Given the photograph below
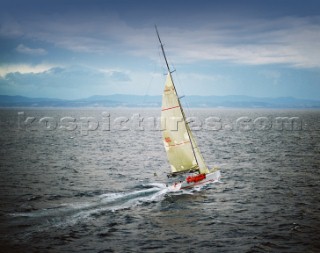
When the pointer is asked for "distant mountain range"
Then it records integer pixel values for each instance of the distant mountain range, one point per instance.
(120, 100)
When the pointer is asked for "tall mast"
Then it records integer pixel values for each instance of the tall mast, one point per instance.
(174, 87)
(164, 54)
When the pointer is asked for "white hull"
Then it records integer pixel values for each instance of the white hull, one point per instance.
(212, 177)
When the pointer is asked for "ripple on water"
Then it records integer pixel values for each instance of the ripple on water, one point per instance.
(66, 191)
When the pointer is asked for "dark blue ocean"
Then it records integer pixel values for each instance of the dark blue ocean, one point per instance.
(93, 180)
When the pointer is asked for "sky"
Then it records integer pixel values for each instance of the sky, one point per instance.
(74, 49)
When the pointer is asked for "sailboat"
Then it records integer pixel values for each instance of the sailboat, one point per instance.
(181, 147)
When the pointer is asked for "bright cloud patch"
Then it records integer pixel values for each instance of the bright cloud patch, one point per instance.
(23, 69)
(31, 51)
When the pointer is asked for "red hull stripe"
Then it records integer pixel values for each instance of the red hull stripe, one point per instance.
(170, 108)
(198, 183)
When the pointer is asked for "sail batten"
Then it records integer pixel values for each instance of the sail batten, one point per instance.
(165, 109)
(178, 144)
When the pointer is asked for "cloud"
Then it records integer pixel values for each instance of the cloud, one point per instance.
(294, 41)
(9, 27)
(30, 51)
(62, 81)
(116, 75)
(289, 40)
(23, 69)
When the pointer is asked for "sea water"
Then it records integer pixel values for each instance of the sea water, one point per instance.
(93, 180)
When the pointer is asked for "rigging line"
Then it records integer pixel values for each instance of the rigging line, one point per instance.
(151, 79)
(160, 61)
(148, 89)
(185, 99)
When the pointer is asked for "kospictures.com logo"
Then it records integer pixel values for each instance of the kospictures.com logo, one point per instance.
(138, 123)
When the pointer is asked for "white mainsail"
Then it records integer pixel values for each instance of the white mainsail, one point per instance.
(181, 147)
